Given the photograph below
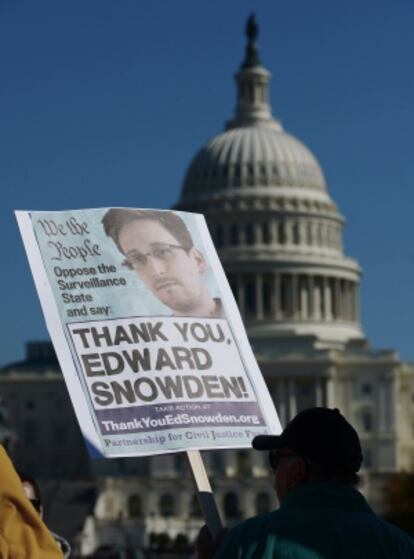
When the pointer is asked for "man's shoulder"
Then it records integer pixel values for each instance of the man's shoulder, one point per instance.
(248, 533)
(260, 521)
(400, 537)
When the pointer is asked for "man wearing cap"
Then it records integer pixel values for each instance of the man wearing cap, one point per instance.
(315, 462)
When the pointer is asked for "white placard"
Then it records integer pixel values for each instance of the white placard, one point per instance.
(147, 332)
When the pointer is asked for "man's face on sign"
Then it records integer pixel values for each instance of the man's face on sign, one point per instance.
(171, 272)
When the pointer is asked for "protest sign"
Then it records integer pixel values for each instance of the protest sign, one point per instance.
(146, 330)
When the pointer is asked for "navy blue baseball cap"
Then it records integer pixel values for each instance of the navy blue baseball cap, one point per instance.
(322, 435)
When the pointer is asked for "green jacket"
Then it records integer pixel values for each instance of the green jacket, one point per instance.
(318, 521)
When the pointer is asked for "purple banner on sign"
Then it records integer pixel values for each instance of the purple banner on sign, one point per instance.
(142, 419)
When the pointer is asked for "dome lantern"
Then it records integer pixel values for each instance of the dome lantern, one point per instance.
(252, 81)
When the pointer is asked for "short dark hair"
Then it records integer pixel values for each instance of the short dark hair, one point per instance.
(116, 218)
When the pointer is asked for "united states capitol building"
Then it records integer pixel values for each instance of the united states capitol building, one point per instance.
(279, 236)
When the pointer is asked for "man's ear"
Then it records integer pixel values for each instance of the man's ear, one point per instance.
(299, 472)
(199, 258)
(302, 470)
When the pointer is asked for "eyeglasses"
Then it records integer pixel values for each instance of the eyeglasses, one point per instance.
(36, 503)
(275, 458)
(160, 251)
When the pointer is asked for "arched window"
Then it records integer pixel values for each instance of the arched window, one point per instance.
(134, 506)
(262, 503)
(166, 505)
(231, 505)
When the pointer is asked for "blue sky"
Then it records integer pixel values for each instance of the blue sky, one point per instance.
(105, 103)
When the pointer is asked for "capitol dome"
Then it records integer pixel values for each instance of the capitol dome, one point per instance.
(275, 226)
(258, 155)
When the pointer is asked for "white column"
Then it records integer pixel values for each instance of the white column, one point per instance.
(304, 299)
(327, 298)
(277, 307)
(349, 300)
(319, 391)
(288, 232)
(271, 313)
(293, 408)
(309, 227)
(311, 289)
(317, 302)
(258, 233)
(354, 298)
(356, 302)
(259, 296)
(330, 393)
(315, 233)
(294, 296)
(345, 300)
(273, 231)
(242, 233)
(338, 295)
(301, 233)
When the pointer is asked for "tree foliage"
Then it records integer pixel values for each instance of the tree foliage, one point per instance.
(399, 501)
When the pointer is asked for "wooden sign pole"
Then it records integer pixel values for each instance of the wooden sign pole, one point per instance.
(204, 492)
